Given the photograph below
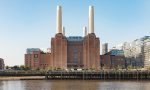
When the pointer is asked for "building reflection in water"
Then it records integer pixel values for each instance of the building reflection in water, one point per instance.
(73, 85)
(61, 85)
(12, 85)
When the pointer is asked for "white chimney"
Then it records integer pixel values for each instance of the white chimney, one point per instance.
(59, 20)
(91, 19)
(63, 31)
(84, 31)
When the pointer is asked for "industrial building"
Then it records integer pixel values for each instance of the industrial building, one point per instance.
(68, 52)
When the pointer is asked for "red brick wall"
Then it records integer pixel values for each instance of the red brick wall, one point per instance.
(62, 54)
(59, 51)
(45, 61)
(75, 49)
(118, 61)
(111, 61)
(105, 61)
(36, 60)
(32, 60)
(91, 51)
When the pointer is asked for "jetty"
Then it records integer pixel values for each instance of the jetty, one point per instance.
(83, 74)
(98, 75)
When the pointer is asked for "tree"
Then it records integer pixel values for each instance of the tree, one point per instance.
(7, 67)
(22, 67)
(130, 67)
(16, 67)
(148, 68)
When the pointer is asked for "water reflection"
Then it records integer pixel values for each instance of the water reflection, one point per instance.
(11, 85)
(61, 85)
(74, 85)
(1, 84)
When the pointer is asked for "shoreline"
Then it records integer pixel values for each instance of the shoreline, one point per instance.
(22, 77)
(43, 78)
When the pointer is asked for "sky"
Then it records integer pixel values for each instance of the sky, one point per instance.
(31, 23)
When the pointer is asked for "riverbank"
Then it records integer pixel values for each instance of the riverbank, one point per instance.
(22, 77)
(78, 75)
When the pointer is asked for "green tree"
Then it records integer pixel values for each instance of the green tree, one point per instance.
(22, 67)
(148, 68)
(16, 67)
(130, 67)
(7, 67)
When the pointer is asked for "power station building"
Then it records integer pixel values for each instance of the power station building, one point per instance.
(73, 51)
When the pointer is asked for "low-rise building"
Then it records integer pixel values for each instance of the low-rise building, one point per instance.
(113, 59)
(35, 58)
(116, 52)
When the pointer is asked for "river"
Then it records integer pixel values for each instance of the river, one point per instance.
(73, 85)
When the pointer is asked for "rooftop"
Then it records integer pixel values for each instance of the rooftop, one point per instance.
(75, 38)
(30, 50)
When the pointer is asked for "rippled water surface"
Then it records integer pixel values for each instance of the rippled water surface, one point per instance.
(73, 85)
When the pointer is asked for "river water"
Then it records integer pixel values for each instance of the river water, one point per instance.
(73, 85)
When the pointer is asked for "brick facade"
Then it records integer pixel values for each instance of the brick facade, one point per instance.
(59, 52)
(91, 52)
(80, 52)
(38, 59)
(69, 52)
(66, 53)
(111, 61)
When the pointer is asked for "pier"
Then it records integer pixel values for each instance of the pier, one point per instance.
(98, 75)
(84, 74)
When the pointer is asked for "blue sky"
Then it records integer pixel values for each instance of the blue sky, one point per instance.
(32, 23)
